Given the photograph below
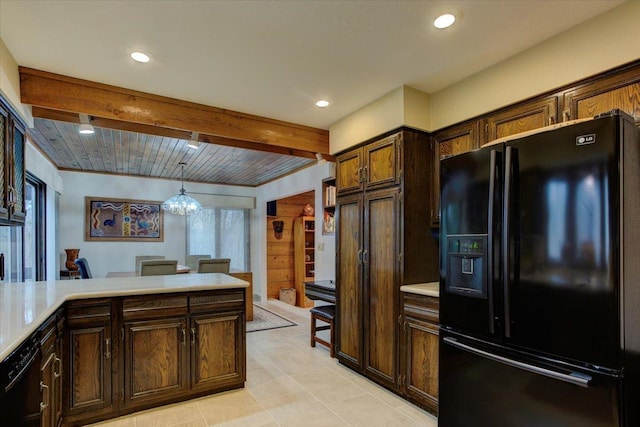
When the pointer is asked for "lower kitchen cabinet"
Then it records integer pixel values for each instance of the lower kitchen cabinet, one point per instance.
(420, 348)
(181, 345)
(89, 360)
(155, 355)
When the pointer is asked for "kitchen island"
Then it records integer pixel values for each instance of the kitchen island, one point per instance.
(106, 347)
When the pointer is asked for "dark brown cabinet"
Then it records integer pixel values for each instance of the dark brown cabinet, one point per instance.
(372, 166)
(420, 350)
(51, 371)
(179, 345)
(620, 90)
(523, 118)
(90, 362)
(12, 167)
(381, 243)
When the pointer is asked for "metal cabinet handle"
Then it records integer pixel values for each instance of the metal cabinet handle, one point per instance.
(365, 178)
(57, 361)
(107, 344)
(360, 256)
(193, 336)
(184, 336)
(365, 256)
(45, 403)
(360, 174)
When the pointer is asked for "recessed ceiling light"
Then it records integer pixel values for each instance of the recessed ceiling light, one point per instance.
(140, 57)
(322, 103)
(444, 21)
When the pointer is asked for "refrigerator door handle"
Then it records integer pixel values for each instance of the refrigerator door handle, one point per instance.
(490, 260)
(506, 272)
(576, 378)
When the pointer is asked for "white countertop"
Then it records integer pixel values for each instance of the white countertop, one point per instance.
(431, 289)
(25, 306)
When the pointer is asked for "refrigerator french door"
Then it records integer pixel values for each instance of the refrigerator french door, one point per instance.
(532, 237)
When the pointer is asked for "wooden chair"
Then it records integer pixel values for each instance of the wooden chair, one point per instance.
(191, 261)
(327, 314)
(140, 258)
(214, 265)
(158, 267)
(83, 267)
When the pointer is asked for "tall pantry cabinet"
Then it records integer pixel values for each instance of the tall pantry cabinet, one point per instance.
(383, 240)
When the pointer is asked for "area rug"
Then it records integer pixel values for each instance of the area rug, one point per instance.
(264, 319)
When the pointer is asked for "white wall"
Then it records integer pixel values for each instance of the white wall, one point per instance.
(305, 180)
(10, 84)
(46, 172)
(104, 257)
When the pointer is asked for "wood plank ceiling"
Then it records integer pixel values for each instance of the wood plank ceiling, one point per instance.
(113, 151)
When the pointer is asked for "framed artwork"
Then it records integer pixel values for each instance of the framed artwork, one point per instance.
(121, 220)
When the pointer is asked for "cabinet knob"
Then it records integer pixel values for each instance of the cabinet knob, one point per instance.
(193, 336)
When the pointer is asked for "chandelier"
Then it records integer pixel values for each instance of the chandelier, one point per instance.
(182, 204)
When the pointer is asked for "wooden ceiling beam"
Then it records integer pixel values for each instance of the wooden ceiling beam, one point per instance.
(62, 116)
(62, 96)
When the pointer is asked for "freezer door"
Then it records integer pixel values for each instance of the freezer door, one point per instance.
(562, 218)
(470, 241)
(481, 387)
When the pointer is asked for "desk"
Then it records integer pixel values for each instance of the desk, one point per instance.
(247, 276)
(324, 290)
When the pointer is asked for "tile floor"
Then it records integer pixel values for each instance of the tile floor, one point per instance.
(289, 383)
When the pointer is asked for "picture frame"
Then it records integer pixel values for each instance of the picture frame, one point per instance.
(123, 220)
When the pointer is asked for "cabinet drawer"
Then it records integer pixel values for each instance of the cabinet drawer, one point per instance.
(422, 307)
(216, 301)
(148, 306)
(89, 311)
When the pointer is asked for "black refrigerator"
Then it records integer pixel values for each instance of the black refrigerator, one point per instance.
(540, 279)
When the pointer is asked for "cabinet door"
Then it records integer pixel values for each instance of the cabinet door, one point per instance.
(349, 172)
(449, 142)
(155, 359)
(422, 363)
(382, 284)
(217, 350)
(17, 206)
(48, 384)
(526, 117)
(349, 280)
(382, 162)
(4, 164)
(621, 90)
(89, 368)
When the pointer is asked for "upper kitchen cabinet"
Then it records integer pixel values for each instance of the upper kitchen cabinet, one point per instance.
(12, 169)
(616, 90)
(374, 165)
(454, 140)
(525, 117)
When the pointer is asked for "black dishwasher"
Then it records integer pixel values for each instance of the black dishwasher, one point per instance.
(20, 385)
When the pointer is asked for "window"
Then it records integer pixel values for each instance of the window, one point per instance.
(34, 234)
(221, 233)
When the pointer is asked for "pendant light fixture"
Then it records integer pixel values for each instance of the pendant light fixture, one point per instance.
(182, 204)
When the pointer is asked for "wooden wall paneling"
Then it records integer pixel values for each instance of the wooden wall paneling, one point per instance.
(280, 252)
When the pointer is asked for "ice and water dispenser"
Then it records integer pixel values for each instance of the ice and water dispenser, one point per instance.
(466, 265)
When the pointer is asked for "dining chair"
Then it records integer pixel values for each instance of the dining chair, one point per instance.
(191, 261)
(83, 267)
(214, 265)
(158, 267)
(140, 258)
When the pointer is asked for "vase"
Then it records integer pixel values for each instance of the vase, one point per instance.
(72, 255)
